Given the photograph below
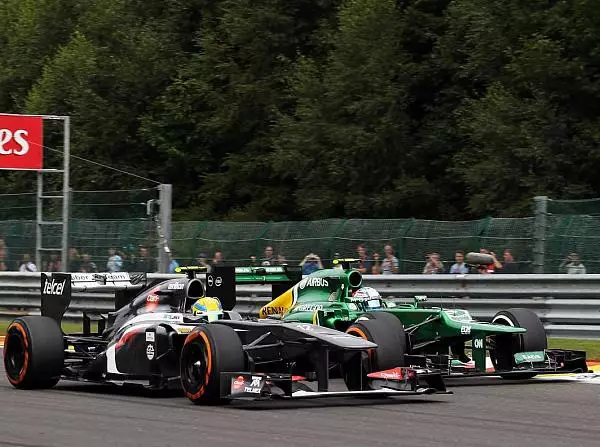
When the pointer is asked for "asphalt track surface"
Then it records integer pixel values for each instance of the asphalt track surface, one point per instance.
(482, 412)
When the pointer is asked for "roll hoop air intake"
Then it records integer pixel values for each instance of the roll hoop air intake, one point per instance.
(355, 279)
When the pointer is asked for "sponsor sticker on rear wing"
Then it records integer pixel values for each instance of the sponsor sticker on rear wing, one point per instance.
(56, 289)
(82, 282)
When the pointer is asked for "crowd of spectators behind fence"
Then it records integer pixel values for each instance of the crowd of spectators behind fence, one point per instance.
(138, 259)
(128, 259)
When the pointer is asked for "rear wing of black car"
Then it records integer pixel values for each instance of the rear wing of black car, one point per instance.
(57, 289)
(221, 282)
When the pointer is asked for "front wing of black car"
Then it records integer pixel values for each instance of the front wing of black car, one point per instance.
(265, 386)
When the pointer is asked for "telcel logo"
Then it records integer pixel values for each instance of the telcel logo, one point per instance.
(54, 287)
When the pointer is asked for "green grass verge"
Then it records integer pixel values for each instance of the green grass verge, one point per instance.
(591, 347)
(68, 327)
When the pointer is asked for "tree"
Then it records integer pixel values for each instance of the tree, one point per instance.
(532, 130)
(106, 77)
(350, 144)
(213, 125)
(30, 32)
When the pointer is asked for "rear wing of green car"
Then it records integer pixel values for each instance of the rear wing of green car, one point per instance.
(221, 282)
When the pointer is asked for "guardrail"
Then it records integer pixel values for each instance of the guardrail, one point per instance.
(569, 305)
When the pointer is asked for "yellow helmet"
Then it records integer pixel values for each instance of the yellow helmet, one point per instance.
(209, 307)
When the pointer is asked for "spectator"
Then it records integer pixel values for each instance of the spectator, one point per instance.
(54, 264)
(27, 264)
(433, 265)
(218, 258)
(202, 261)
(311, 263)
(490, 268)
(459, 266)
(376, 268)
(128, 257)
(3, 256)
(173, 264)
(143, 263)
(365, 266)
(281, 260)
(115, 262)
(334, 262)
(509, 264)
(572, 265)
(269, 258)
(87, 266)
(73, 263)
(390, 263)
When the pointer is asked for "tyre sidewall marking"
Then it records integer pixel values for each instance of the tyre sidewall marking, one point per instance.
(19, 327)
(206, 341)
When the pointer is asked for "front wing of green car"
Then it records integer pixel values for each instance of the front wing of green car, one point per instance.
(525, 364)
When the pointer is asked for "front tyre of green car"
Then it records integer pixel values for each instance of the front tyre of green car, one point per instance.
(505, 346)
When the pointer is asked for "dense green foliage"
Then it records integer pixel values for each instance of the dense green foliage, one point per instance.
(307, 109)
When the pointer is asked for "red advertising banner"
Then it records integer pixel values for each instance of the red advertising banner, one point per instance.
(21, 142)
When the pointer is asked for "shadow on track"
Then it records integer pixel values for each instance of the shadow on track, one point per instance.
(118, 390)
(108, 391)
(329, 402)
(494, 381)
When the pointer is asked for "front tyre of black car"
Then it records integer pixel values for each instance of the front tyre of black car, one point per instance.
(33, 352)
(207, 351)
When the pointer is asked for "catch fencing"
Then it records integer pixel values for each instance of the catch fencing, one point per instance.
(568, 305)
(103, 219)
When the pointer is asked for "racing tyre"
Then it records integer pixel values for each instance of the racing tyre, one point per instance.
(506, 346)
(387, 331)
(33, 352)
(208, 351)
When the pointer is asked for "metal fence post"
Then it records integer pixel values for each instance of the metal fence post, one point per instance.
(66, 205)
(39, 219)
(539, 233)
(165, 216)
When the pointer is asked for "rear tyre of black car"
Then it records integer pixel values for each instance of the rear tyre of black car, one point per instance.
(33, 352)
(387, 332)
(502, 354)
(208, 351)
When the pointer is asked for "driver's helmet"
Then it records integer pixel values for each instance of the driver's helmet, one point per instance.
(208, 307)
(370, 297)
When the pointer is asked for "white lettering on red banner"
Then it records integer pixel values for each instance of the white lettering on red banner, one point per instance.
(21, 142)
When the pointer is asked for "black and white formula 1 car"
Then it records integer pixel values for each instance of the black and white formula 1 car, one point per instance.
(153, 339)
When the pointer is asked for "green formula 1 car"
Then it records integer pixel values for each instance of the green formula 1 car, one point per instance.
(409, 334)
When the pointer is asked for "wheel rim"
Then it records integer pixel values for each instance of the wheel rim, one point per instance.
(195, 367)
(503, 346)
(15, 355)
